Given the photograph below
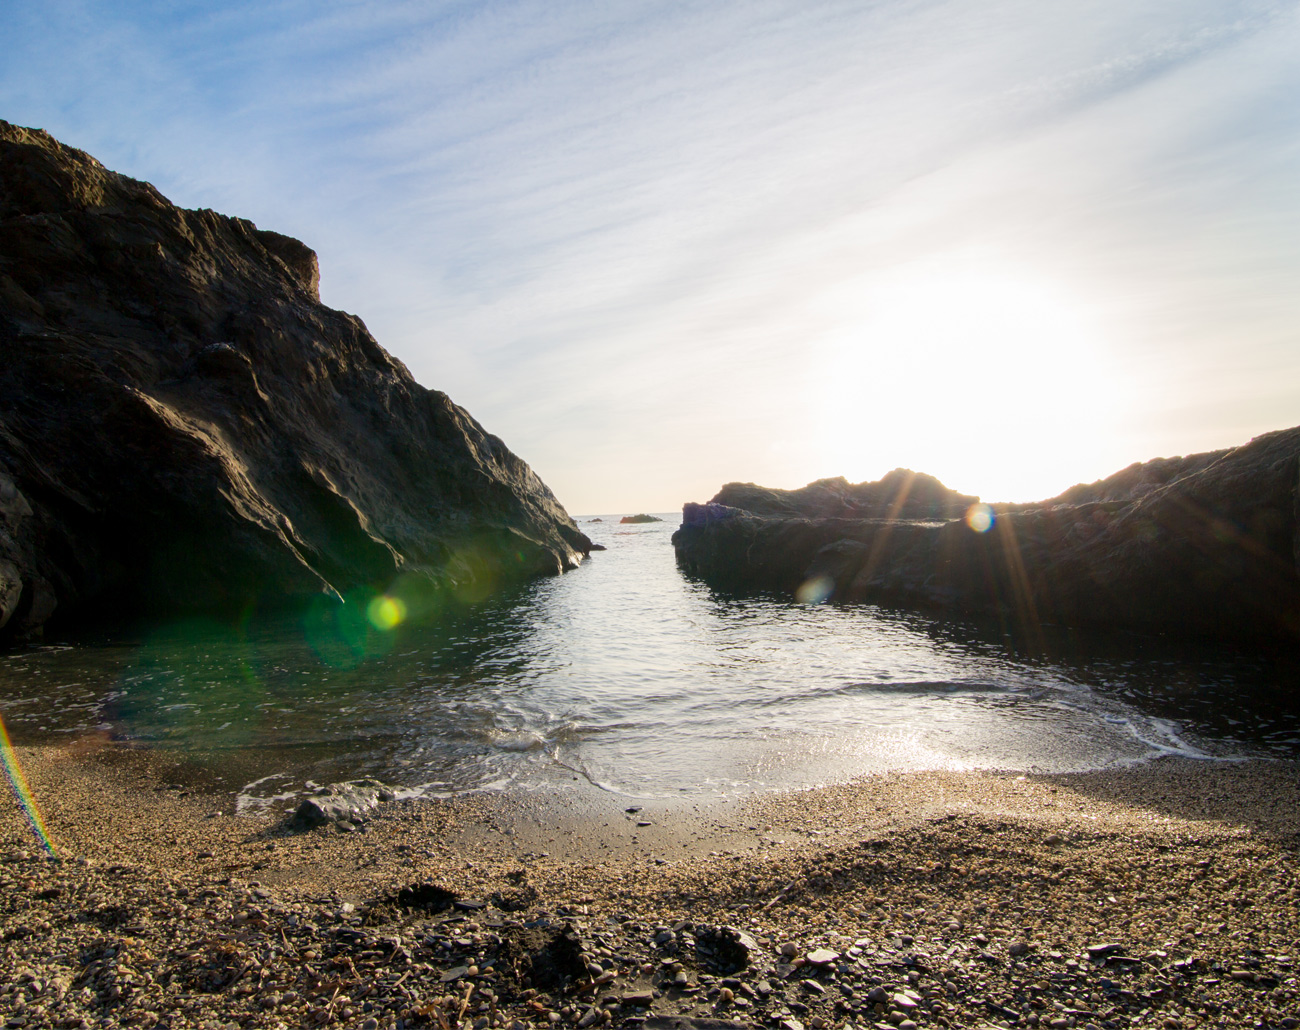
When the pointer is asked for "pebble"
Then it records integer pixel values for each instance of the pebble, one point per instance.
(928, 910)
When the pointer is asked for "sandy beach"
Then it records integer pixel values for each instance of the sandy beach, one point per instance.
(1158, 895)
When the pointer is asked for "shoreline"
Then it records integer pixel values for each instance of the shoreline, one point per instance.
(979, 893)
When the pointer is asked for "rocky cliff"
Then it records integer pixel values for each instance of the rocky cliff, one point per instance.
(901, 494)
(1206, 544)
(185, 427)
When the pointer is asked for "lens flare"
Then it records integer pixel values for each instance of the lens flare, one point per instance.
(815, 590)
(386, 613)
(23, 792)
(980, 518)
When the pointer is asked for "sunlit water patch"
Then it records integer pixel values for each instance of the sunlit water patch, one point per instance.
(628, 675)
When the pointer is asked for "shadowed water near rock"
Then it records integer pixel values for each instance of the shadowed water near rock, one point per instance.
(1206, 544)
(185, 427)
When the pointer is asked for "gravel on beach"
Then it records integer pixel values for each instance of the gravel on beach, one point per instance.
(1159, 895)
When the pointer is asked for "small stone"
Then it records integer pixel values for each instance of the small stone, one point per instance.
(789, 949)
(822, 956)
(1053, 840)
(1017, 949)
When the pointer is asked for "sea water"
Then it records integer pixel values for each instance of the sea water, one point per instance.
(628, 675)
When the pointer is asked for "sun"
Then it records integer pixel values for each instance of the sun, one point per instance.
(987, 375)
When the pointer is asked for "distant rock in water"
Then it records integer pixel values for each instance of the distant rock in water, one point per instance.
(1206, 544)
(638, 519)
(184, 427)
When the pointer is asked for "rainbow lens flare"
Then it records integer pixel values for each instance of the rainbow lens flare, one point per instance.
(23, 792)
(815, 590)
(980, 518)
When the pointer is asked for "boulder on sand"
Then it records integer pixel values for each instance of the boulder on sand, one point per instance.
(345, 805)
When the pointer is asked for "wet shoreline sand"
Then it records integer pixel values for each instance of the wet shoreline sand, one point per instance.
(946, 899)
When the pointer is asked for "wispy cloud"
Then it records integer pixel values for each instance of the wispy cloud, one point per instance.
(611, 231)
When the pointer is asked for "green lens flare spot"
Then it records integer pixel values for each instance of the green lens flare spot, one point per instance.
(386, 613)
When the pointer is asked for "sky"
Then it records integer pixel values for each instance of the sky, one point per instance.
(660, 246)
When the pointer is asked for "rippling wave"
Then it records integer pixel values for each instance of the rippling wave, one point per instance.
(629, 676)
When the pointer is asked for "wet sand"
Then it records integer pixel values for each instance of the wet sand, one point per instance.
(978, 893)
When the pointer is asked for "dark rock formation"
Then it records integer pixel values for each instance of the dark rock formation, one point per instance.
(185, 427)
(901, 494)
(638, 519)
(1138, 480)
(1205, 544)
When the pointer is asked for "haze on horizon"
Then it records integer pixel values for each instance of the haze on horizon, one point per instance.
(660, 246)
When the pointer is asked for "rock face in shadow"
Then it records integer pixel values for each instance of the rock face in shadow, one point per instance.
(185, 427)
(1206, 544)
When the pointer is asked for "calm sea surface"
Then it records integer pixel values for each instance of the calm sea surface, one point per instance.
(631, 676)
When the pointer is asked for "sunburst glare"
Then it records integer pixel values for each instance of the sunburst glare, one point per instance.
(981, 372)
